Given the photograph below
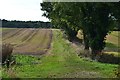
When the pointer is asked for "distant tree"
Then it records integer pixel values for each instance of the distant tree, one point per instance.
(24, 24)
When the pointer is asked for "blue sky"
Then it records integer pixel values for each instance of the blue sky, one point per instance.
(24, 10)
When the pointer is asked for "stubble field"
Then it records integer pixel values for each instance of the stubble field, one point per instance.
(28, 40)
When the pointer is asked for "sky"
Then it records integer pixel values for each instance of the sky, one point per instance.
(24, 10)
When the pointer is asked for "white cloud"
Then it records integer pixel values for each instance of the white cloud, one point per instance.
(21, 10)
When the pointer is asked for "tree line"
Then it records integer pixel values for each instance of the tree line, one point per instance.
(95, 20)
(25, 24)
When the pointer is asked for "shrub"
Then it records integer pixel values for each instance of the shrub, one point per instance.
(6, 53)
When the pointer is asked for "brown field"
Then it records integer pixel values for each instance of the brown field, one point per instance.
(28, 40)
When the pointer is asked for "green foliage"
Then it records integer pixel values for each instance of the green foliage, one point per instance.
(25, 24)
(114, 13)
(47, 7)
(95, 19)
(60, 17)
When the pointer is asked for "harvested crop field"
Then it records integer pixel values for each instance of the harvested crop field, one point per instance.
(28, 40)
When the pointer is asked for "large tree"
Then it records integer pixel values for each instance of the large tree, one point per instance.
(93, 18)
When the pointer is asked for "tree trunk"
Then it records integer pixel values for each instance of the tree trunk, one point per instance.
(86, 41)
(86, 45)
(96, 54)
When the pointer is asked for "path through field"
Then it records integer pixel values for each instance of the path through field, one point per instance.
(28, 40)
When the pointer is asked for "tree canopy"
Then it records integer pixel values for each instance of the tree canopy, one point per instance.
(94, 19)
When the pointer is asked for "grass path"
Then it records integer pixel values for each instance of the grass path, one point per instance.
(61, 62)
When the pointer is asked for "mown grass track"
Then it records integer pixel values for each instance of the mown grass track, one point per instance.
(28, 40)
